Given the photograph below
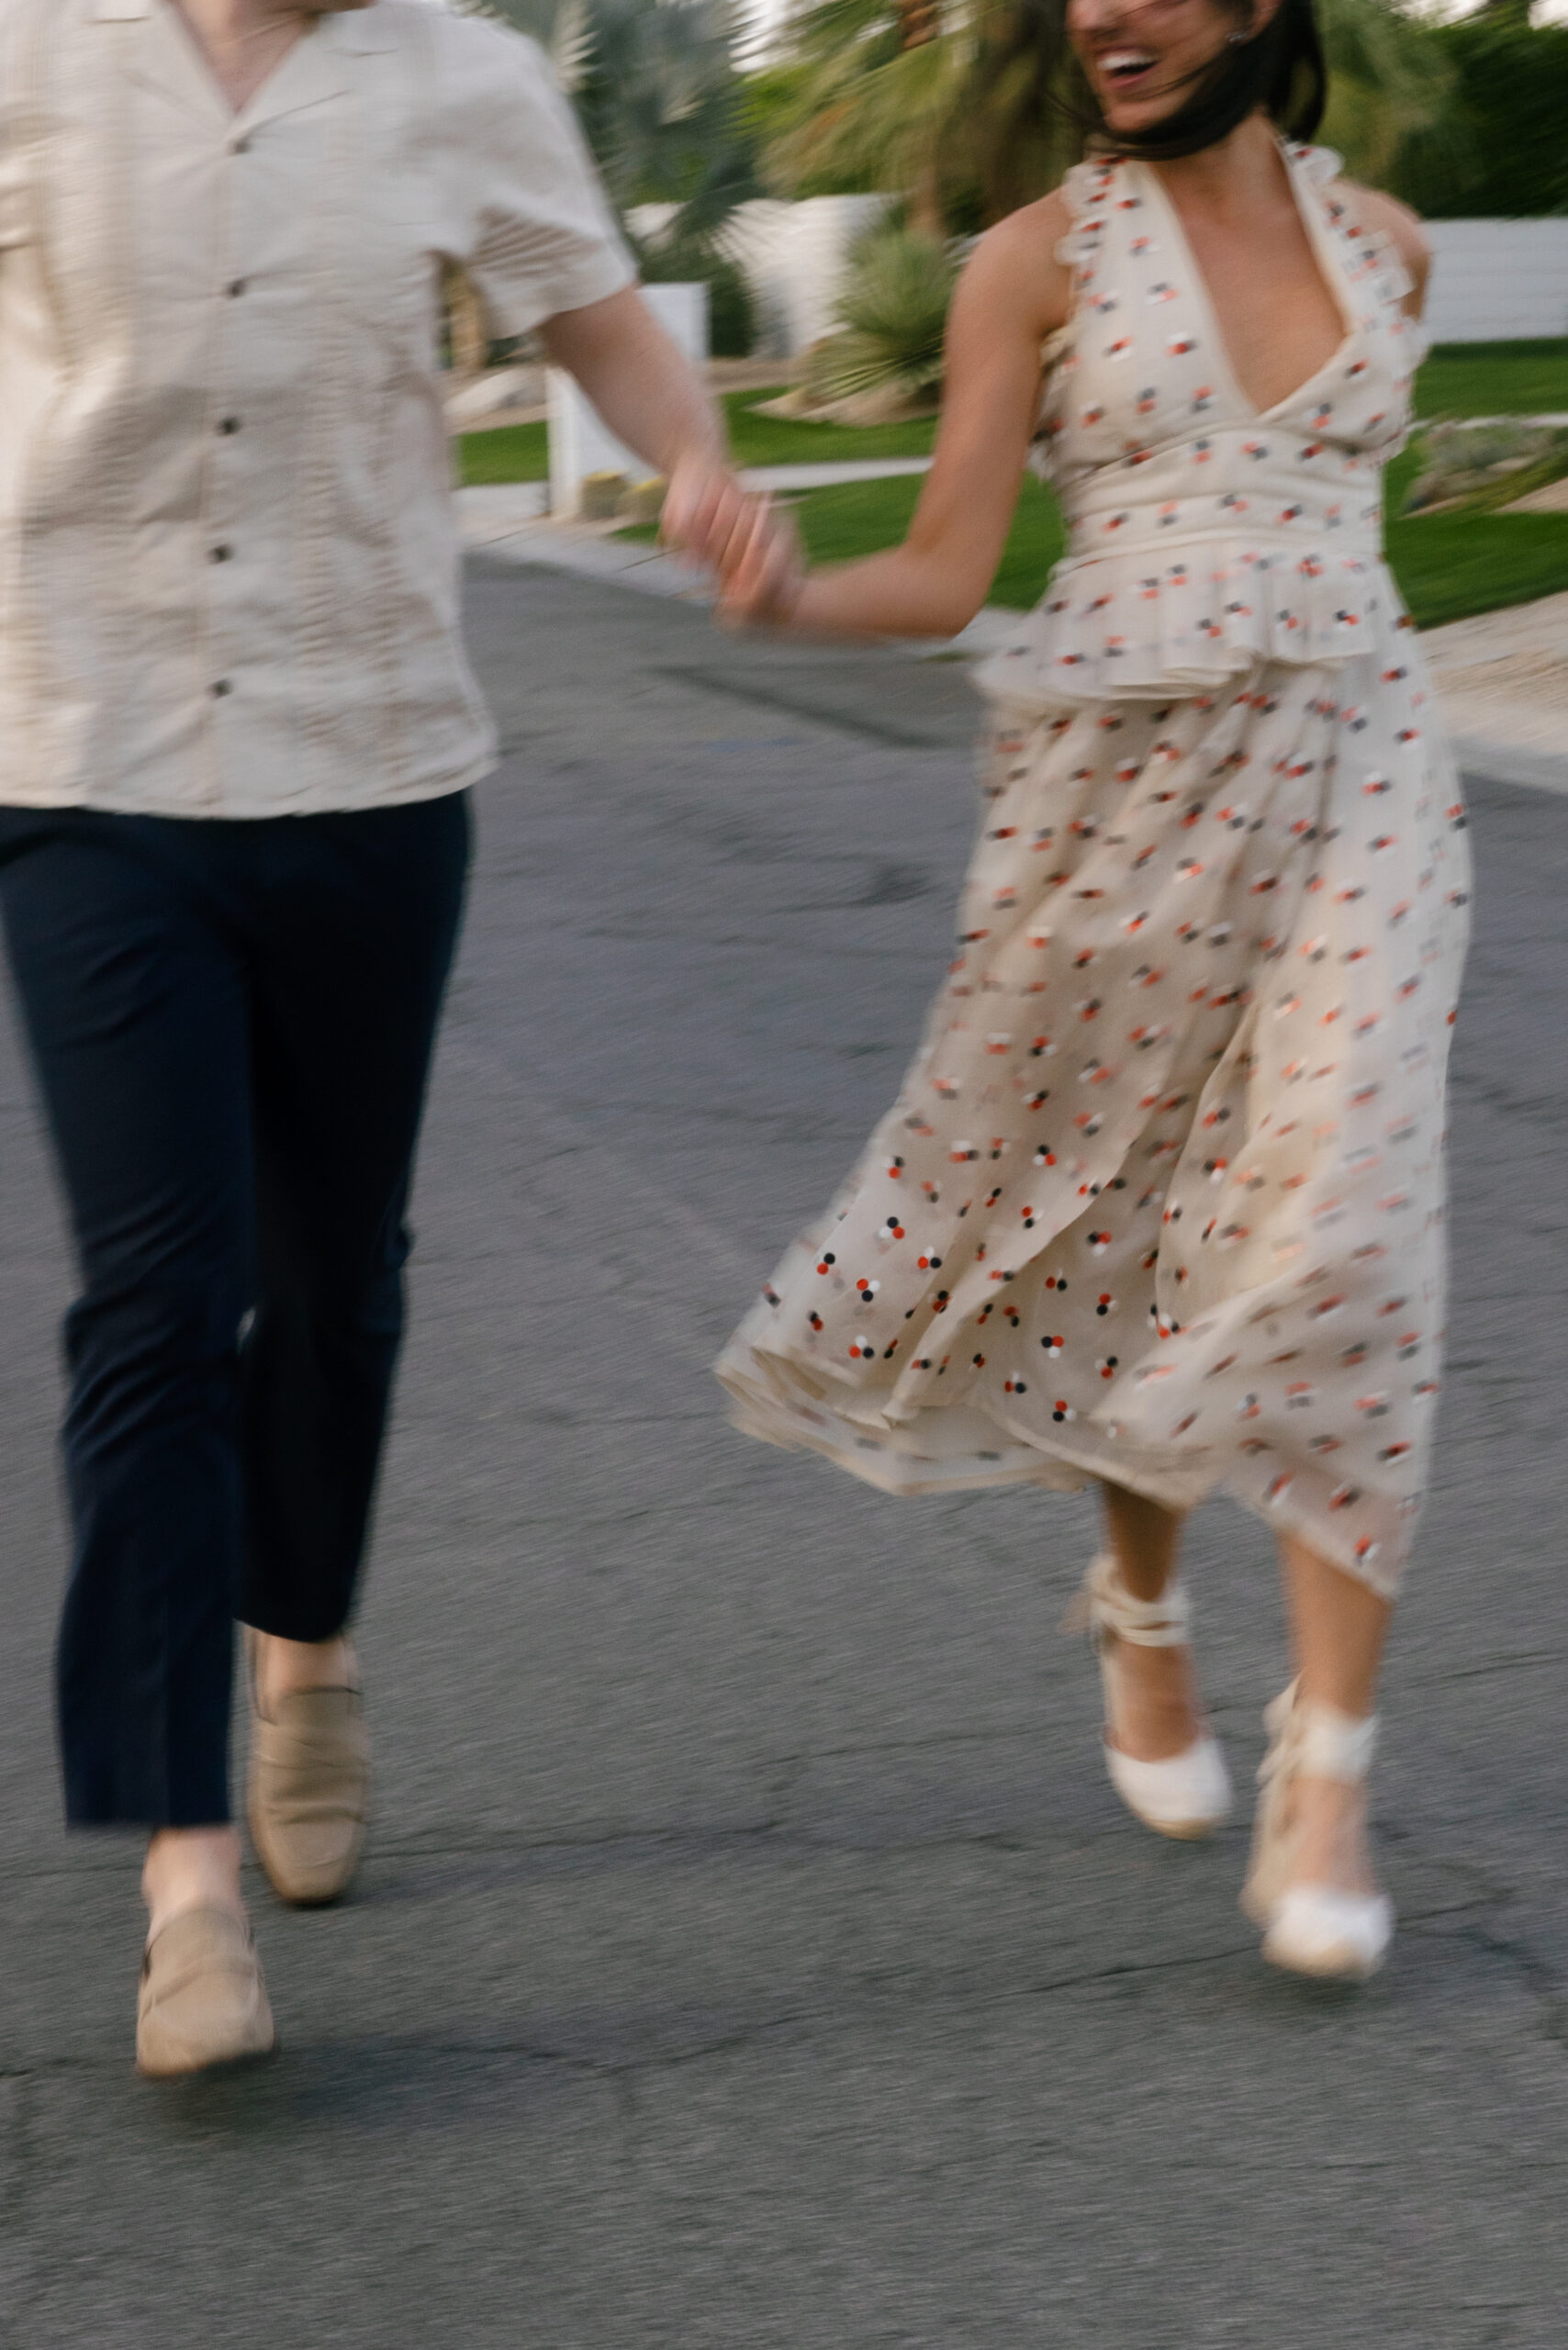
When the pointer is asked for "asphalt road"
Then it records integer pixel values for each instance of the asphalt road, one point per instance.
(751, 1953)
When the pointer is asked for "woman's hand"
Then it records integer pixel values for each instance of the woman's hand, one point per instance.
(746, 541)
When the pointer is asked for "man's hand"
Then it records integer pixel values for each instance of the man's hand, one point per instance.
(751, 547)
(653, 399)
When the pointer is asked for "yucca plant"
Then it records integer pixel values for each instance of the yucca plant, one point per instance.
(892, 315)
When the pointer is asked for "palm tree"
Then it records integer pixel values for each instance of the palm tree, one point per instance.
(873, 86)
(873, 92)
(655, 87)
(1391, 83)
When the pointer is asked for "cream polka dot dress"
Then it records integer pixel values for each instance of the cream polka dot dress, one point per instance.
(1161, 1200)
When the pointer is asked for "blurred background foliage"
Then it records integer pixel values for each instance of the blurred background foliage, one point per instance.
(660, 94)
(685, 107)
(1505, 150)
(1466, 117)
(913, 99)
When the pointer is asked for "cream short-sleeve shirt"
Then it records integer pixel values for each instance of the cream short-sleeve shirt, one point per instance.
(228, 558)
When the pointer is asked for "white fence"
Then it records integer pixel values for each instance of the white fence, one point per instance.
(792, 257)
(1494, 280)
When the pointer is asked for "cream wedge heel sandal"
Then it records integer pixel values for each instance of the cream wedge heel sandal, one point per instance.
(1189, 1794)
(1310, 1929)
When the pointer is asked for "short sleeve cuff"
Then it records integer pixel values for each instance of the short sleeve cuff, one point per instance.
(516, 309)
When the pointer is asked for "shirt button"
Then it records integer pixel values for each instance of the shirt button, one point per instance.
(236, 287)
(223, 686)
(242, 147)
(230, 424)
(221, 554)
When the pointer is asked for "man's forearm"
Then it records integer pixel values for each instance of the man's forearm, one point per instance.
(647, 393)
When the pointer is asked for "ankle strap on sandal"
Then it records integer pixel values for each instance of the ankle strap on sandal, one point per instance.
(1104, 1604)
(1316, 1742)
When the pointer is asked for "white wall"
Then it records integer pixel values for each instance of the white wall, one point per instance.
(792, 257)
(1493, 280)
(580, 441)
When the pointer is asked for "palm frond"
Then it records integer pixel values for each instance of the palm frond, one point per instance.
(572, 44)
(1390, 83)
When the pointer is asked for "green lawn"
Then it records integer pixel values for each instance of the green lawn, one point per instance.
(1494, 379)
(1446, 566)
(1459, 379)
(787, 440)
(509, 453)
(838, 524)
(519, 453)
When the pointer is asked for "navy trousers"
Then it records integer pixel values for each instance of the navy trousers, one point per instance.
(232, 1026)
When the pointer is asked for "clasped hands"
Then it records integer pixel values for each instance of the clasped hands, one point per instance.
(751, 546)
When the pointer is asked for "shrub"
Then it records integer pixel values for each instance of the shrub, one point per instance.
(1484, 466)
(892, 315)
(1509, 105)
(731, 315)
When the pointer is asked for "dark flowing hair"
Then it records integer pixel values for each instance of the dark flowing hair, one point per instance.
(1040, 113)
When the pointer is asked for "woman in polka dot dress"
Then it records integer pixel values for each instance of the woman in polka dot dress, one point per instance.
(1161, 1202)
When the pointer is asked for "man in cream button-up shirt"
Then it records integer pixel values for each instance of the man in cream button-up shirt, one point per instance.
(235, 725)
(218, 598)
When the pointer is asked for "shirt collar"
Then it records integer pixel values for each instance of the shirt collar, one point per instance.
(365, 29)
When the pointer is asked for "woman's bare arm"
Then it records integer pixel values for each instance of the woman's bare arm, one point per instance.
(1012, 295)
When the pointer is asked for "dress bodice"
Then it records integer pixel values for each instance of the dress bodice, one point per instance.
(1205, 534)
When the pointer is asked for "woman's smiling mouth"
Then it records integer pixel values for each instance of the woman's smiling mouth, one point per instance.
(1125, 68)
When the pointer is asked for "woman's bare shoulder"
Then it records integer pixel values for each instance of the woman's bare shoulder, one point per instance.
(1402, 227)
(1014, 265)
(1029, 237)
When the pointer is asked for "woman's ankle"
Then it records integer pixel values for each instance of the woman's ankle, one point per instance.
(1333, 1847)
(190, 1868)
(1158, 1710)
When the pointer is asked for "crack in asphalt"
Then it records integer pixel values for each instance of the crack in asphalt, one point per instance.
(810, 704)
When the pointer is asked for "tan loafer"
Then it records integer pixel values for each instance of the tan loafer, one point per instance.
(203, 2001)
(309, 1792)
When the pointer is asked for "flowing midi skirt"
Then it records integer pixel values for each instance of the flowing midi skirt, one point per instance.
(1161, 1200)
